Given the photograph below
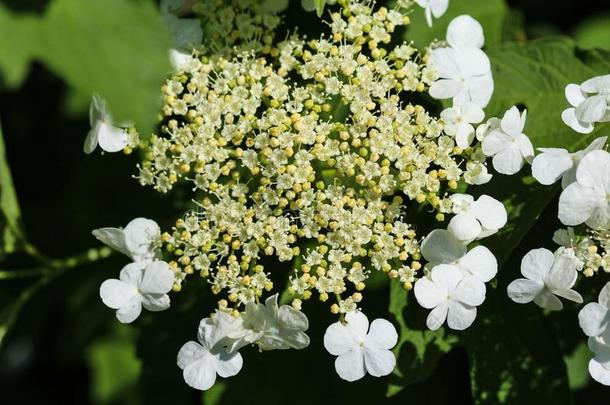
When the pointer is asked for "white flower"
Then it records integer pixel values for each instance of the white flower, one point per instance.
(508, 145)
(555, 163)
(137, 240)
(103, 131)
(434, 8)
(137, 287)
(181, 60)
(590, 103)
(201, 361)
(587, 199)
(441, 247)
(360, 352)
(599, 365)
(476, 219)
(594, 318)
(451, 295)
(458, 122)
(547, 275)
(273, 327)
(463, 68)
(476, 173)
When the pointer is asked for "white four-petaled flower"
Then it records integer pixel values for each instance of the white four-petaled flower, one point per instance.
(508, 145)
(110, 137)
(433, 8)
(360, 349)
(588, 198)
(138, 287)
(476, 219)
(137, 240)
(458, 122)
(590, 104)
(547, 276)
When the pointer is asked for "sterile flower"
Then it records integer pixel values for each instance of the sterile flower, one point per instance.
(555, 163)
(508, 145)
(138, 287)
(587, 199)
(274, 327)
(360, 349)
(463, 68)
(441, 247)
(201, 361)
(594, 318)
(111, 138)
(599, 365)
(137, 240)
(434, 8)
(452, 296)
(547, 275)
(590, 103)
(458, 122)
(476, 219)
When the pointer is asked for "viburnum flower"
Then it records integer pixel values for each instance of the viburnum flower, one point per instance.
(452, 296)
(137, 240)
(274, 327)
(360, 349)
(138, 287)
(590, 103)
(110, 137)
(202, 360)
(586, 200)
(547, 275)
(458, 122)
(555, 163)
(441, 247)
(463, 68)
(476, 219)
(434, 8)
(508, 145)
(594, 318)
(599, 365)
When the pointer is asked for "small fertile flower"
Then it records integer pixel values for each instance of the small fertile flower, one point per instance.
(202, 360)
(433, 8)
(360, 349)
(137, 240)
(476, 219)
(103, 132)
(555, 163)
(451, 295)
(274, 327)
(547, 276)
(463, 68)
(458, 122)
(442, 247)
(587, 199)
(594, 318)
(590, 104)
(599, 365)
(508, 145)
(138, 287)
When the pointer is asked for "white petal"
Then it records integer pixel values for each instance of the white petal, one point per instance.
(114, 238)
(546, 299)
(180, 60)
(444, 88)
(536, 264)
(525, 147)
(578, 203)
(446, 276)
(599, 373)
(290, 318)
(111, 138)
(357, 323)
(591, 110)
(158, 278)
(341, 338)
(189, 353)
(594, 170)
(495, 142)
(481, 88)
(481, 263)
(350, 365)
(511, 123)
(116, 293)
(490, 212)
(90, 141)
(568, 116)
(465, 32)
(470, 291)
(604, 295)
(473, 64)
(574, 94)
(442, 247)
(568, 294)
(428, 294)
(140, 233)
(155, 302)
(228, 364)
(131, 274)
(438, 7)
(508, 161)
(464, 135)
(382, 335)
(201, 374)
(596, 84)
(98, 110)
(460, 316)
(444, 60)
(593, 319)
(473, 113)
(379, 362)
(130, 311)
(523, 290)
(549, 166)
(562, 274)
(436, 317)
(465, 227)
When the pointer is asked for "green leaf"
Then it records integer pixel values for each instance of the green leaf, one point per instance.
(418, 349)
(490, 13)
(319, 6)
(594, 33)
(10, 225)
(16, 54)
